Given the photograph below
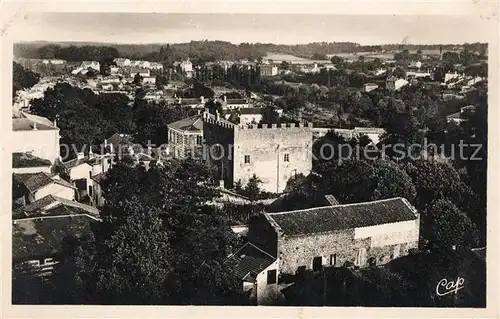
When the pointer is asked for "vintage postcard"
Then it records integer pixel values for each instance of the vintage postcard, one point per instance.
(308, 163)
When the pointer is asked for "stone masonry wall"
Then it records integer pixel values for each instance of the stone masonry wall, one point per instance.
(298, 251)
(267, 148)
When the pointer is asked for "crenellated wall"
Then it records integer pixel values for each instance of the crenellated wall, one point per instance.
(275, 152)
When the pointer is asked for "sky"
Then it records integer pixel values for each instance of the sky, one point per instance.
(237, 28)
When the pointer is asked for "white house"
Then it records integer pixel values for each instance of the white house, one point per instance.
(394, 84)
(35, 135)
(32, 187)
(258, 272)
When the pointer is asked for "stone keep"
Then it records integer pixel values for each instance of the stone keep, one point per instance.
(274, 153)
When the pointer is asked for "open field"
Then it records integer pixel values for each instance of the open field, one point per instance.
(279, 57)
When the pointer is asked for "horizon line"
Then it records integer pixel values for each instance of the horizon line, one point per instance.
(236, 43)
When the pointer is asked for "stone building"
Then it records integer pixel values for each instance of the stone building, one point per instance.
(185, 136)
(274, 153)
(361, 233)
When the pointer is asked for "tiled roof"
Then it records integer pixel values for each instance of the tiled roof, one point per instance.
(23, 124)
(35, 181)
(74, 162)
(350, 216)
(250, 261)
(38, 119)
(236, 101)
(191, 124)
(20, 160)
(44, 236)
(50, 205)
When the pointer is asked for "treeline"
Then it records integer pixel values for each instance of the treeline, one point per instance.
(71, 53)
(207, 50)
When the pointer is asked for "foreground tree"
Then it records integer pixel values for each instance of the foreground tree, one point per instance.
(158, 243)
(445, 226)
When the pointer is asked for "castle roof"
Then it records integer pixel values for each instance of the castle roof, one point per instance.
(341, 217)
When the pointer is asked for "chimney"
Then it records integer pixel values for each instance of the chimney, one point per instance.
(202, 99)
(225, 98)
(80, 155)
(91, 154)
(180, 100)
(221, 183)
(55, 123)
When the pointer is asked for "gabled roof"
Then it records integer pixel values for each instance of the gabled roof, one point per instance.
(75, 162)
(35, 181)
(21, 160)
(190, 124)
(250, 261)
(28, 122)
(340, 217)
(51, 205)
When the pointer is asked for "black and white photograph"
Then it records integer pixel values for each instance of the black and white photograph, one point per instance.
(249, 159)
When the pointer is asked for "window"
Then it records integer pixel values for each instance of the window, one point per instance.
(179, 138)
(287, 158)
(199, 140)
(271, 277)
(247, 159)
(90, 192)
(317, 263)
(333, 259)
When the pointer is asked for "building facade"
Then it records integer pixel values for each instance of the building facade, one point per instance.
(35, 135)
(362, 233)
(274, 153)
(185, 136)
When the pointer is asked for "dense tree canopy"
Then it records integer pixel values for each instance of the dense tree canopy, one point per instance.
(158, 239)
(22, 78)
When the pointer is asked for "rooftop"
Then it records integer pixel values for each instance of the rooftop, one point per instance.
(29, 122)
(53, 205)
(251, 111)
(44, 236)
(340, 217)
(35, 181)
(190, 124)
(21, 160)
(250, 261)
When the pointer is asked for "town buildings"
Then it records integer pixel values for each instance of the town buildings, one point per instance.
(274, 153)
(268, 70)
(393, 84)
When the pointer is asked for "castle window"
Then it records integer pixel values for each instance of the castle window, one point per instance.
(333, 259)
(271, 277)
(247, 159)
(287, 158)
